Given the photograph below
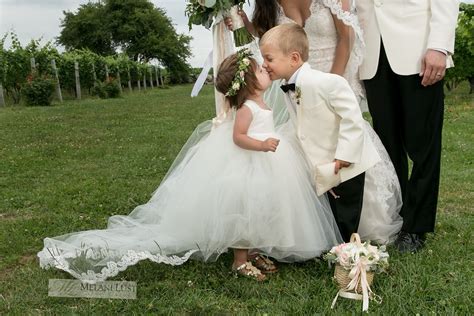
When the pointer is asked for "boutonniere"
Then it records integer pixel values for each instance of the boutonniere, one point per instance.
(298, 95)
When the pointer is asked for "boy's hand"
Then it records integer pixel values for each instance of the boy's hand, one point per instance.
(270, 144)
(340, 164)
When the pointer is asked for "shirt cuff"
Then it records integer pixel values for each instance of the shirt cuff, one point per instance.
(441, 50)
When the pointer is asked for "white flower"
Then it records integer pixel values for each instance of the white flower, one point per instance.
(236, 86)
(246, 61)
(242, 74)
(209, 3)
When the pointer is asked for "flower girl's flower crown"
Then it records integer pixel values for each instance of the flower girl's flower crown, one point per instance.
(243, 66)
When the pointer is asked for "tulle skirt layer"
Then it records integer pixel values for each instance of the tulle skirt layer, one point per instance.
(216, 197)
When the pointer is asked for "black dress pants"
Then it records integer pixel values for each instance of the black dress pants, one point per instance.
(408, 119)
(348, 207)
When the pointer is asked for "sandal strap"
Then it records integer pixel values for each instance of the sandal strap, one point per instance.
(266, 263)
(251, 269)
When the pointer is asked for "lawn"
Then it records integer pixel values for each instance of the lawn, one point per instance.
(70, 166)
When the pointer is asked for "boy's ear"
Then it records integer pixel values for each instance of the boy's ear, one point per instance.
(295, 58)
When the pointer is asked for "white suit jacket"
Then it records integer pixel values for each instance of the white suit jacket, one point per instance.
(329, 122)
(408, 28)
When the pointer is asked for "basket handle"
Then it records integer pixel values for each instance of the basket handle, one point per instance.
(356, 238)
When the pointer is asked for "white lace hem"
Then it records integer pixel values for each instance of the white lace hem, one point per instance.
(49, 259)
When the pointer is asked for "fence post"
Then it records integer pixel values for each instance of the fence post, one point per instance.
(119, 81)
(78, 83)
(33, 65)
(139, 85)
(161, 77)
(144, 79)
(151, 77)
(94, 75)
(2, 98)
(156, 77)
(129, 79)
(58, 86)
(106, 72)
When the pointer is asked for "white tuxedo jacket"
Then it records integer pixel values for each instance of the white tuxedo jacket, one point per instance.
(408, 28)
(329, 122)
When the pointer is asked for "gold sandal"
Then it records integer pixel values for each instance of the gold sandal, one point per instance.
(249, 271)
(264, 264)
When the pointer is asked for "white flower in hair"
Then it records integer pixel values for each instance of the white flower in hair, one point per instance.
(246, 61)
(236, 86)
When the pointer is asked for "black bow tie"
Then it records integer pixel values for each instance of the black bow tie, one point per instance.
(288, 87)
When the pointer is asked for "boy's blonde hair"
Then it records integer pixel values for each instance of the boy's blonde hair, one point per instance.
(288, 38)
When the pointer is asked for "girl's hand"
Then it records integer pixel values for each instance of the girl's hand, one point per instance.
(270, 144)
(228, 21)
(340, 164)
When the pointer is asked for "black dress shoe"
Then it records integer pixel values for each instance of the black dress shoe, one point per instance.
(409, 242)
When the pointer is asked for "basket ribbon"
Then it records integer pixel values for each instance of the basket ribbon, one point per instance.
(358, 274)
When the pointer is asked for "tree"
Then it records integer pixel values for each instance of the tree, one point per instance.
(463, 50)
(86, 29)
(140, 30)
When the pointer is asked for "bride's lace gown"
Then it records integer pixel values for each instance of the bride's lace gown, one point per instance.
(217, 196)
(322, 37)
(380, 219)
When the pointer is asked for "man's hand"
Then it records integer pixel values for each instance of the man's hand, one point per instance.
(270, 144)
(433, 67)
(340, 164)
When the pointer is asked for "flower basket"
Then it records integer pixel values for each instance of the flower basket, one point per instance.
(356, 264)
(342, 278)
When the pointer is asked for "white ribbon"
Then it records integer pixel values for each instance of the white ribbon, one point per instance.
(237, 21)
(223, 46)
(202, 76)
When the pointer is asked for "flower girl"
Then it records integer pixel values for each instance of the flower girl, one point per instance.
(241, 187)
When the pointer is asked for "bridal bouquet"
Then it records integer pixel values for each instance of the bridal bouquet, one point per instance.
(203, 12)
(356, 263)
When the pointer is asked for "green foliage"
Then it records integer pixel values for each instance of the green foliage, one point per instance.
(142, 31)
(202, 15)
(15, 67)
(99, 90)
(108, 89)
(86, 29)
(112, 88)
(97, 158)
(464, 48)
(38, 90)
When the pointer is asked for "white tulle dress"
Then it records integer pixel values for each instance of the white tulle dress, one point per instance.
(380, 219)
(217, 196)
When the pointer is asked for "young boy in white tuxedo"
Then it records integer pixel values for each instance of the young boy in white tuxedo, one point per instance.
(328, 120)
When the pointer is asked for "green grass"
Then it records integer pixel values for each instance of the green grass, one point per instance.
(69, 167)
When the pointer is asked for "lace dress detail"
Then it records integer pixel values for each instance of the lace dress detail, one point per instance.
(322, 37)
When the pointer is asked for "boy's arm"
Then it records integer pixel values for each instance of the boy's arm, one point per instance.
(351, 129)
